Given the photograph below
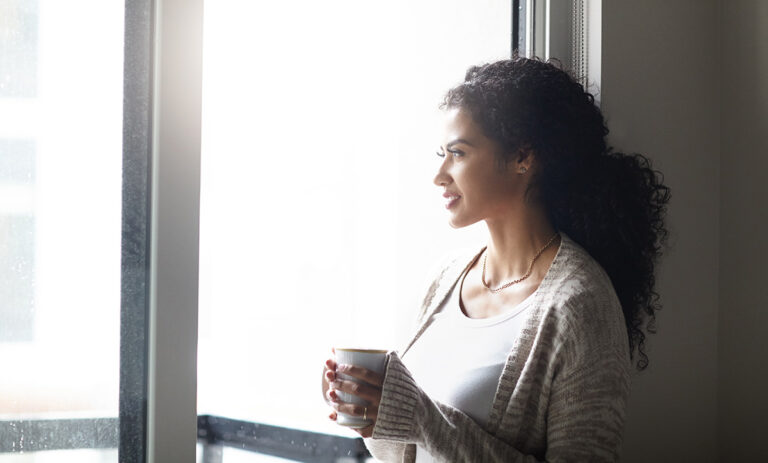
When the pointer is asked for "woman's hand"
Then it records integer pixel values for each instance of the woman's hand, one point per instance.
(369, 390)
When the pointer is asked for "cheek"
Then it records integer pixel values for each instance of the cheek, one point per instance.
(499, 190)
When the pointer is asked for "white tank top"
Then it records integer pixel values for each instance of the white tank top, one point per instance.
(458, 360)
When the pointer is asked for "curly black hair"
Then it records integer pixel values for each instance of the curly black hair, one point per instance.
(612, 204)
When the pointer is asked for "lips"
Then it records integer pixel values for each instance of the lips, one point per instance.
(451, 199)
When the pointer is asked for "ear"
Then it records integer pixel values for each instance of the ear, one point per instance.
(523, 160)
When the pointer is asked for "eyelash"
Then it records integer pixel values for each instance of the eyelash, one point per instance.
(456, 153)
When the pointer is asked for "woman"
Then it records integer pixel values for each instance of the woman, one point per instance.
(524, 348)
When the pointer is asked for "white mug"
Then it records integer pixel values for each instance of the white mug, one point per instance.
(372, 359)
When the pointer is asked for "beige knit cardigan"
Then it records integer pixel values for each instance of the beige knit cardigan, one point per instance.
(562, 393)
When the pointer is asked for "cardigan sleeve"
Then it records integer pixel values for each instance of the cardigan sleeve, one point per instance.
(576, 433)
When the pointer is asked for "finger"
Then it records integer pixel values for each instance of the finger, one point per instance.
(333, 416)
(324, 386)
(330, 376)
(332, 396)
(331, 364)
(360, 411)
(364, 391)
(364, 374)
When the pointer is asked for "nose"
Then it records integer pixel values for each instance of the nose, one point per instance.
(442, 178)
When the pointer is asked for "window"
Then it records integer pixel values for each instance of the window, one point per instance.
(60, 199)
(319, 218)
(19, 48)
(17, 239)
(568, 31)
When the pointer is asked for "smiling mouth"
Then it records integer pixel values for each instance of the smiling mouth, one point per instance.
(451, 201)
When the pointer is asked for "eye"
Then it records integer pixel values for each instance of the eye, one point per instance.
(455, 153)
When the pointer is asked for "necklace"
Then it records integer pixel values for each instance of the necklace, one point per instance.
(530, 268)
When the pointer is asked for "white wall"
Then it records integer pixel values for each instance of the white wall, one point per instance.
(743, 369)
(660, 94)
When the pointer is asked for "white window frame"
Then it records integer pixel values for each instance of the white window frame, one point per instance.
(175, 210)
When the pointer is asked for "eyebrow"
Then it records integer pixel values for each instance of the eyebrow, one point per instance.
(457, 141)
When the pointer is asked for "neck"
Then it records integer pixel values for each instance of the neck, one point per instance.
(514, 241)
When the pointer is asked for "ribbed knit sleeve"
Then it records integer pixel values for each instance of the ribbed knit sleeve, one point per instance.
(400, 400)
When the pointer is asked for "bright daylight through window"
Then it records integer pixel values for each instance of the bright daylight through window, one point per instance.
(61, 82)
(319, 218)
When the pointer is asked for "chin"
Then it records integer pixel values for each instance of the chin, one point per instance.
(456, 223)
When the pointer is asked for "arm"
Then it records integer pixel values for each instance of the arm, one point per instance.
(584, 425)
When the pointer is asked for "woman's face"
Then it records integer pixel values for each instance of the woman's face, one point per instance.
(474, 186)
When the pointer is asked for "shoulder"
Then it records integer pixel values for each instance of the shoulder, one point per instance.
(580, 279)
(582, 307)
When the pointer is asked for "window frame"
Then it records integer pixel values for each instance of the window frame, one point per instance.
(174, 160)
(569, 31)
(135, 240)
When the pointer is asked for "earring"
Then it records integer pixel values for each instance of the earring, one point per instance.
(523, 170)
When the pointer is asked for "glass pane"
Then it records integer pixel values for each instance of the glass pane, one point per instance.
(319, 218)
(18, 48)
(61, 80)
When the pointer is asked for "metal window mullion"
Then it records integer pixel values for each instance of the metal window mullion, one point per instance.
(135, 240)
(177, 96)
(515, 18)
